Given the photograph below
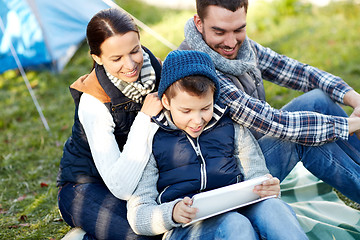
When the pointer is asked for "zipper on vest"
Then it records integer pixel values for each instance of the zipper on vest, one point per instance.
(160, 195)
(114, 106)
(203, 180)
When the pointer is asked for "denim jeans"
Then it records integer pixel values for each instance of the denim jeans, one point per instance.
(269, 219)
(336, 163)
(100, 214)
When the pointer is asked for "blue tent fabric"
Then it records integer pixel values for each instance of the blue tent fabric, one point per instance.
(43, 32)
(23, 32)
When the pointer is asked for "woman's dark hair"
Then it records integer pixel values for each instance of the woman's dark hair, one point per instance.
(232, 5)
(197, 85)
(105, 24)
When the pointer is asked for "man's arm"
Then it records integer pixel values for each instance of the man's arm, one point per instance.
(307, 128)
(290, 73)
(352, 99)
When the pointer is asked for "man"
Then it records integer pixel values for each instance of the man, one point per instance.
(320, 141)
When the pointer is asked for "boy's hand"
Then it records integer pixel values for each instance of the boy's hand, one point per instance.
(183, 212)
(269, 187)
(152, 105)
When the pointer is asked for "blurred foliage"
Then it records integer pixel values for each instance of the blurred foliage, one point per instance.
(29, 156)
(326, 38)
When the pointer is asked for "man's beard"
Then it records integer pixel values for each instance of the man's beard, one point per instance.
(222, 46)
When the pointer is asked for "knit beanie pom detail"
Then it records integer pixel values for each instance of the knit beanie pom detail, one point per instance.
(179, 64)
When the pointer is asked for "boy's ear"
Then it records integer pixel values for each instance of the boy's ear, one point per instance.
(165, 102)
(97, 59)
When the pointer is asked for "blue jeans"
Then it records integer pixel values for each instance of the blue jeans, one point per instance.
(269, 219)
(100, 214)
(336, 163)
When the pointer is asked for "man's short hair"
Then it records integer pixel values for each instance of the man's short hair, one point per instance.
(232, 5)
(197, 85)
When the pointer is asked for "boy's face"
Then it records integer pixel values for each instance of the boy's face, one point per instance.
(190, 113)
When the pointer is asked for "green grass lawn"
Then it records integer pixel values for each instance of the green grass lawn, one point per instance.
(327, 38)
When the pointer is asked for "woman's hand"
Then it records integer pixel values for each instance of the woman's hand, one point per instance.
(183, 212)
(152, 105)
(269, 187)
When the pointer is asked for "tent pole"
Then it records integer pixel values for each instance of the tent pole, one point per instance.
(143, 26)
(26, 80)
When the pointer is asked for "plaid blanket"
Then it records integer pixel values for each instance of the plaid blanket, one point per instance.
(320, 212)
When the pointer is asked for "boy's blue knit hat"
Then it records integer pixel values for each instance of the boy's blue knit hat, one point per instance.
(179, 64)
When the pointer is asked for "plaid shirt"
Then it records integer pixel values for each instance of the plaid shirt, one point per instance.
(307, 128)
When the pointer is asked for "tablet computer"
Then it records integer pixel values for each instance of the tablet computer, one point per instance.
(225, 199)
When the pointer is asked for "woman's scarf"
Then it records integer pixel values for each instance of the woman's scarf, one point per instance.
(244, 62)
(142, 86)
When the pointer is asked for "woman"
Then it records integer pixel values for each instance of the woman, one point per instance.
(111, 138)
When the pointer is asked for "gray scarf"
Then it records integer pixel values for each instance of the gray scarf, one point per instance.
(244, 62)
(141, 87)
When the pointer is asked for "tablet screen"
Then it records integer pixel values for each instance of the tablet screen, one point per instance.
(227, 198)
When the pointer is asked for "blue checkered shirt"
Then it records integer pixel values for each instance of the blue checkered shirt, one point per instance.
(307, 128)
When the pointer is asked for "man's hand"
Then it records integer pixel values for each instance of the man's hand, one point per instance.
(152, 105)
(353, 119)
(352, 99)
(356, 112)
(269, 187)
(183, 212)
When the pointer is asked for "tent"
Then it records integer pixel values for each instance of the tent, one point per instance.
(47, 33)
(43, 33)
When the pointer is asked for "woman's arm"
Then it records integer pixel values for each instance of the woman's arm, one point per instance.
(121, 171)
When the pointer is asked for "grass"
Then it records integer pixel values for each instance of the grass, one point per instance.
(29, 156)
(323, 37)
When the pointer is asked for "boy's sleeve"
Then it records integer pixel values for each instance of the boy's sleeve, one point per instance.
(249, 153)
(145, 216)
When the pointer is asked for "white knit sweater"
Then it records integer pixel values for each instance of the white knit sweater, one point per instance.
(121, 171)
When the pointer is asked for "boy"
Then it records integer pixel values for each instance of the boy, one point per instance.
(198, 148)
